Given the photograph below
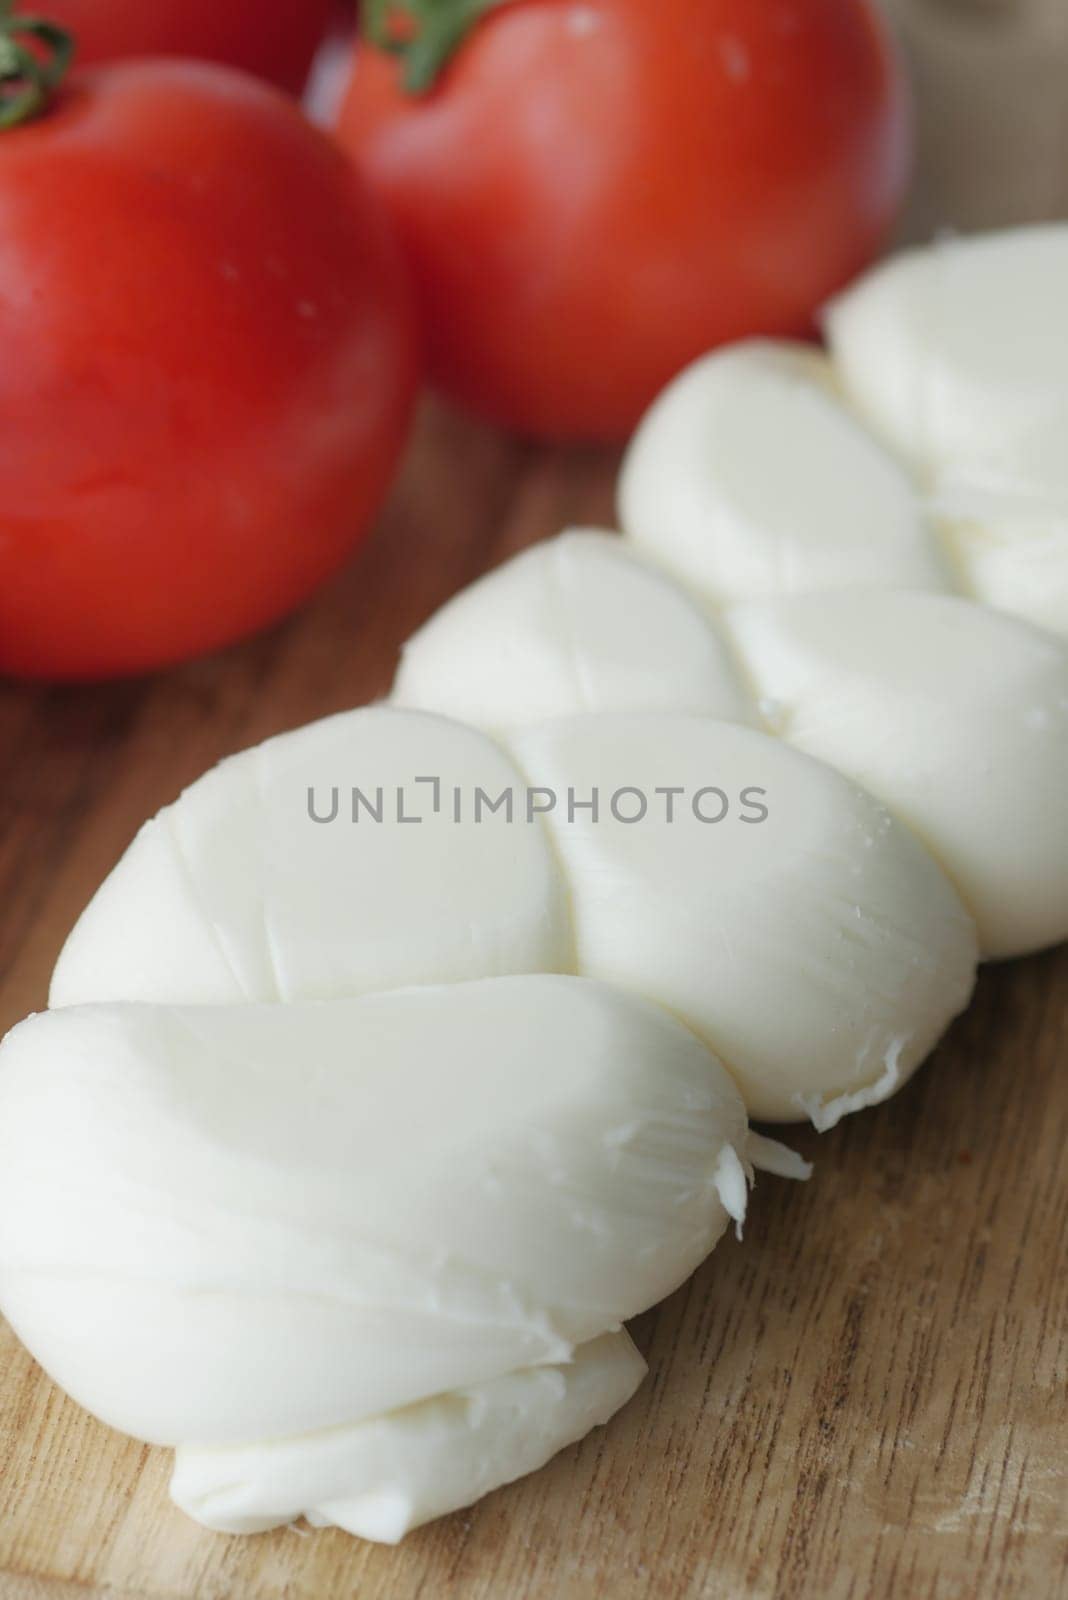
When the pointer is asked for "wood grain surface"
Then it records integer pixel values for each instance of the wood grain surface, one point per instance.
(867, 1397)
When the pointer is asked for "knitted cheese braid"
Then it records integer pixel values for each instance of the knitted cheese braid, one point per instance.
(324, 931)
(323, 1321)
(814, 571)
(928, 452)
(954, 715)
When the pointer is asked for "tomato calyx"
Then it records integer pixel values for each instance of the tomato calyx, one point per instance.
(423, 33)
(35, 55)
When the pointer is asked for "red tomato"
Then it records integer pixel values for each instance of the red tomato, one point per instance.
(274, 39)
(208, 367)
(596, 191)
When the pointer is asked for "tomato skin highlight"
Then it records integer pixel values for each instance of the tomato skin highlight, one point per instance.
(209, 368)
(276, 41)
(597, 191)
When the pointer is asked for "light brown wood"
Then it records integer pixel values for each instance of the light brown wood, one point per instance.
(868, 1397)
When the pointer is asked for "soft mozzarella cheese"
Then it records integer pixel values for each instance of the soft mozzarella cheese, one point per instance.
(958, 356)
(750, 477)
(237, 892)
(958, 352)
(352, 1213)
(1009, 540)
(223, 1225)
(955, 716)
(817, 948)
(928, 453)
(381, 1478)
(575, 624)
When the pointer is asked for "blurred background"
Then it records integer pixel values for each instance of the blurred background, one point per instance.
(991, 85)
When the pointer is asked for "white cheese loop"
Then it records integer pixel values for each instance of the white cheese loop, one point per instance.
(957, 355)
(237, 893)
(491, 894)
(927, 453)
(955, 716)
(353, 1210)
(224, 1225)
(569, 625)
(775, 907)
(750, 477)
(1012, 544)
(381, 1478)
(487, 655)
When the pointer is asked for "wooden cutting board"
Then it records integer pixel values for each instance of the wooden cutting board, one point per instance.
(869, 1396)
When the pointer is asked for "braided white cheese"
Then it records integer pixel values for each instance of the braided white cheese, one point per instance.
(383, 1477)
(957, 354)
(811, 893)
(258, 886)
(749, 477)
(755, 475)
(332, 1167)
(309, 1243)
(955, 716)
(772, 905)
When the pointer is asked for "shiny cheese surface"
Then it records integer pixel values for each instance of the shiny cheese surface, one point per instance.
(367, 1114)
(775, 907)
(955, 716)
(228, 1224)
(237, 891)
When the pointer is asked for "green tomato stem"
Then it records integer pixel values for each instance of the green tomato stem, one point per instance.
(424, 34)
(35, 56)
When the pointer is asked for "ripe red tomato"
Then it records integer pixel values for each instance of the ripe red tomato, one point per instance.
(274, 39)
(596, 191)
(208, 367)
